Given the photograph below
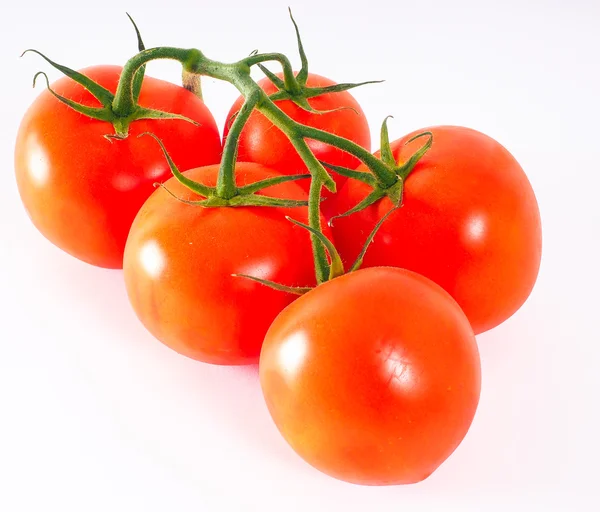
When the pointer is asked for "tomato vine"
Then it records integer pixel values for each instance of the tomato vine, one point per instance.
(121, 109)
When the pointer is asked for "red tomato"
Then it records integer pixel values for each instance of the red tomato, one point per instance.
(469, 221)
(373, 377)
(82, 191)
(265, 144)
(179, 259)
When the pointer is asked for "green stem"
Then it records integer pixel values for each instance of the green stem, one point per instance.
(314, 214)
(291, 84)
(226, 186)
(124, 103)
(238, 74)
(314, 221)
(384, 175)
(292, 128)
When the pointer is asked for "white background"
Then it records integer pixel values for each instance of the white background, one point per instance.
(98, 416)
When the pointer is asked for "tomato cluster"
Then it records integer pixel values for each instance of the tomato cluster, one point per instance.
(372, 375)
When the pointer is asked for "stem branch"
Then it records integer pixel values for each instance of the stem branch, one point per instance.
(124, 104)
(289, 79)
(238, 74)
(226, 186)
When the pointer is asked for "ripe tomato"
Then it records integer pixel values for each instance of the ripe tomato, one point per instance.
(265, 144)
(469, 221)
(180, 258)
(373, 377)
(82, 191)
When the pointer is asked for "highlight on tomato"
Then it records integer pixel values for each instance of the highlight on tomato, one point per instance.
(81, 170)
(469, 221)
(372, 377)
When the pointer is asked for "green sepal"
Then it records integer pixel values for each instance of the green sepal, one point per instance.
(139, 76)
(386, 151)
(302, 75)
(149, 113)
(373, 197)
(100, 113)
(396, 192)
(257, 200)
(365, 177)
(121, 124)
(336, 267)
(104, 96)
(238, 201)
(270, 182)
(280, 95)
(311, 92)
(201, 202)
(359, 260)
(405, 169)
(194, 186)
(294, 88)
(302, 101)
(245, 195)
(296, 290)
(278, 82)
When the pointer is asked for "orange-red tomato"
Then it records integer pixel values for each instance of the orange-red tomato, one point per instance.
(469, 221)
(373, 377)
(81, 191)
(265, 144)
(180, 258)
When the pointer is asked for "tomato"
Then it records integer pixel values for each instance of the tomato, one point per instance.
(373, 377)
(469, 221)
(81, 191)
(262, 142)
(180, 258)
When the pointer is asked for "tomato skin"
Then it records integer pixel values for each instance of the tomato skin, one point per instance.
(179, 260)
(265, 144)
(80, 190)
(469, 221)
(373, 377)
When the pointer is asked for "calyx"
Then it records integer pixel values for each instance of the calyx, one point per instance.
(119, 110)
